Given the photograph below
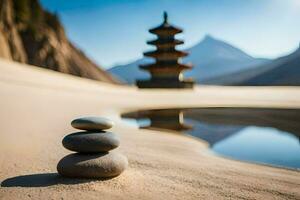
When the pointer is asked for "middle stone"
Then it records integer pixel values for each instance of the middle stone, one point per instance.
(91, 141)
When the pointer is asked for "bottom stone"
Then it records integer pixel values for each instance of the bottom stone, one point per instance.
(100, 165)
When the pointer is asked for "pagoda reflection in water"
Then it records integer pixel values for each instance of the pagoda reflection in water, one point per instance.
(168, 119)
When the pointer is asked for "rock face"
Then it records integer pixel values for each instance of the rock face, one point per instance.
(91, 142)
(31, 35)
(94, 158)
(92, 123)
(100, 165)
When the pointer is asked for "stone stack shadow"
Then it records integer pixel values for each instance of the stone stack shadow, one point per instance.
(94, 158)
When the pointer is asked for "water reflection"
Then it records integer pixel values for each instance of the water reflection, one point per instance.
(168, 119)
(259, 135)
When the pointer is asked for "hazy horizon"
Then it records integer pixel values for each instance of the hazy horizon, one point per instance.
(115, 32)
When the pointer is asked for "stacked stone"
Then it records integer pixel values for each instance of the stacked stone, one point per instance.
(94, 158)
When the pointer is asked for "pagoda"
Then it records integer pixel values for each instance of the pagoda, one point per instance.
(166, 71)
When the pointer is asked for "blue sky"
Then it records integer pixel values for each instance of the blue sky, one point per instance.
(115, 31)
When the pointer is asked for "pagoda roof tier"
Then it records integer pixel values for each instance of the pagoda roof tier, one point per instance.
(165, 70)
(165, 42)
(165, 29)
(166, 55)
(172, 66)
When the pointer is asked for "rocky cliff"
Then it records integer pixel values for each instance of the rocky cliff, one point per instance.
(30, 34)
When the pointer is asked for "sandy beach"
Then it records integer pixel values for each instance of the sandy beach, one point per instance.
(37, 106)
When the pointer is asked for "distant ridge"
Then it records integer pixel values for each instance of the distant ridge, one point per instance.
(211, 58)
(284, 71)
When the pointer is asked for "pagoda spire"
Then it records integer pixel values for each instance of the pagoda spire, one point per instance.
(166, 71)
(165, 17)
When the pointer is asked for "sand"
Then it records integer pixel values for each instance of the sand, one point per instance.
(38, 105)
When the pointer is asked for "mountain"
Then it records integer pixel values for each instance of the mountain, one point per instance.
(211, 58)
(29, 34)
(284, 71)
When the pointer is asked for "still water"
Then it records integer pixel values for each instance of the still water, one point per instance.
(268, 136)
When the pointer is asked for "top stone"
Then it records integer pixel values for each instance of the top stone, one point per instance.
(92, 123)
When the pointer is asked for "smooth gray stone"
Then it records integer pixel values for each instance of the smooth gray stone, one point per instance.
(101, 165)
(91, 142)
(92, 123)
